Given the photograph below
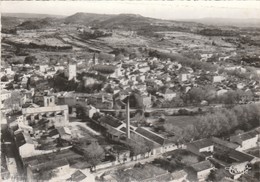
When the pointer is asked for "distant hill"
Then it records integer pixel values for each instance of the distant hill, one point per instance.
(127, 21)
(10, 22)
(30, 15)
(86, 18)
(226, 22)
(36, 24)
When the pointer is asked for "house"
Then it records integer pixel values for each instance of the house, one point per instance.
(147, 101)
(202, 170)
(144, 69)
(217, 79)
(64, 133)
(90, 111)
(227, 144)
(203, 147)
(169, 94)
(43, 68)
(5, 94)
(24, 144)
(179, 176)
(246, 140)
(184, 77)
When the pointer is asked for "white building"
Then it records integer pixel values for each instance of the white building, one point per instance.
(218, 79)
(246, 140)
(71, 72)
(202, 170)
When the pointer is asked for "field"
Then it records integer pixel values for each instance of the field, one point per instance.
(181, 121)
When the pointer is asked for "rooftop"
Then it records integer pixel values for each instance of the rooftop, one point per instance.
(240, 156)
(224, 143)
(179, 174)
(247, 135)
(77, 176)
(151, 135)
(23, 138)
(110, 120)
(201, 166)
(202, 143)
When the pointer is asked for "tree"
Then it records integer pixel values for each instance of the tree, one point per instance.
(4, 78)
(30, 60)
(149, 146)
(137, 145)
(195, 95)
(13, 101)
(106, 57)
(119, 57)
(94, 154)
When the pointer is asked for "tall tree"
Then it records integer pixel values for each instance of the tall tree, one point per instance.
(94, 154)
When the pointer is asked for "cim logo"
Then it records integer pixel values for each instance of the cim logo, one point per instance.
(234, 170)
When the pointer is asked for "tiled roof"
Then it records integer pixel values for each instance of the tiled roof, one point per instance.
(179, 174)
(202, 143)
(23, 138)
(110, 120)
(151, 135)
(201, 166)
(225, 143)
(247, 135)
(240, 156)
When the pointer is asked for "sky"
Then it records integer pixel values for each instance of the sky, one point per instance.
(156, 9)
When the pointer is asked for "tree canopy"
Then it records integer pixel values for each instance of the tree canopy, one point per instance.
(94, 153)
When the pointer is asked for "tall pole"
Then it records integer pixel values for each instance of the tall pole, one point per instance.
(127, 119)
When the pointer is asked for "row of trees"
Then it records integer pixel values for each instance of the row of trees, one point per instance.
(208, 93)
(222, 122)
(95, 34)
(185, 61)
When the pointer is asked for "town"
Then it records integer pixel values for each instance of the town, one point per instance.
(105, 102)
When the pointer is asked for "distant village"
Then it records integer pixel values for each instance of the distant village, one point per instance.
(102, 123)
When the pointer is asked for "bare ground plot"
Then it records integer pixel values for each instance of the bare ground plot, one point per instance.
(181, 121)
(78, 131)
(183, 40)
